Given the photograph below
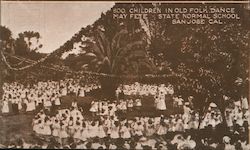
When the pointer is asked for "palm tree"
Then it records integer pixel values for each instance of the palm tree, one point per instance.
(124, 54)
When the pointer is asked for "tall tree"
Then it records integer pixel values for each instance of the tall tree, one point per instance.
(6, 46)
(208, 58)
(124, 54)
(27, 42)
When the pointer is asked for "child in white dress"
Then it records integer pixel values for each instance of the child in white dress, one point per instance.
(5, 108)
(30, 105)
(46, 128)
(115, 131)
(162, 130)
(57, 101)
(130, 104)
(63, 133)
(94, 107)
(138, 129)
(85, 133)
(125, 132)
(101, 132)
(93, 129)
(150, 129)
(78, 134)
(56, 128)
(82, 92)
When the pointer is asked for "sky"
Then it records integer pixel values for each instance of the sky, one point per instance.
(56, 21)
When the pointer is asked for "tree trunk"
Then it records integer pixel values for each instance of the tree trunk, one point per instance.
(109, 85)
(3, 72)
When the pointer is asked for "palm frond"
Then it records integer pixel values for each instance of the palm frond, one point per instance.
(128, 47)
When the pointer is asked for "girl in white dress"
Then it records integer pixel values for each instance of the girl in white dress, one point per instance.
(57, 101)
(101, 132)
(125, 132)
(71, 129)
(39, 129)
(130, 104)
(162, 130)
(74, 104)
(82, 92)
(35, 124)
(138, 104)
(139, 129)
(93, 128)
(180, 126)
(5, 108)
(244, 102)
(161, 105)
(19, 103)
(85, 133)
(115, 131)
(94, 107)
(63, 134)
(124, 106)
(78, 134)
(47, 103)
(150, 129)
(64, 91)
(47, 129)
(56, 128)
(30, 105)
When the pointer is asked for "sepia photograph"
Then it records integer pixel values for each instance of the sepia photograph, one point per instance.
(160, 75)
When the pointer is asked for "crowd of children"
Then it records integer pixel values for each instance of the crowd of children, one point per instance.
(18, 97)
(145, 89)
(107, 129)
(146, 131)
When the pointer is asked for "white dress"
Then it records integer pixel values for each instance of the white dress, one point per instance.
(56, 129)
(35, 126)
(114, 133)
(93, 131)
(124, 105)
(245, 103)
(130, 103)
(63, 133)
(47, 103)
(78, 132)
(31, 106)
(19, 105)
(162, 103)
(46, 129)
(85, 134)
(161, 130)
(138, 130)
(94, 107)
(82, 92)
(101, 132)
(150, 130)
(5, 108)
(57, 101)
(138, 103)
(40, 128)
(125, 133)
(64, 91)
